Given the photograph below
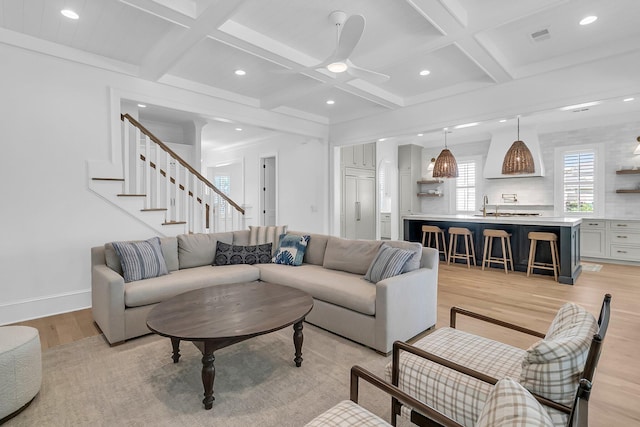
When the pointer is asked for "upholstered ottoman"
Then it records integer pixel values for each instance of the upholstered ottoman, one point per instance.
(20, 368)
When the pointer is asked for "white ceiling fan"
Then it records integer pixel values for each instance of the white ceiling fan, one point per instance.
(348, 34)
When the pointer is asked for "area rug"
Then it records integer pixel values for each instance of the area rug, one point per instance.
(256, 382)
(587, 266)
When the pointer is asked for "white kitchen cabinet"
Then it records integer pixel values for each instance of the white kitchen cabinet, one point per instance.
(410, 172)
(593, 238)
(359, 204)
(385, 225)
(359, 156)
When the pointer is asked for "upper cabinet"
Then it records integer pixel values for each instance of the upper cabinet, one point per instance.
(409, 173)
(359, 156)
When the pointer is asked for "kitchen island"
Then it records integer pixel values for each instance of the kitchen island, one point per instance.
(567, 230)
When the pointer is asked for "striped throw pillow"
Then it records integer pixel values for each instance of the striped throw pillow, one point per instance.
(388, 262)
(141, 260)
(260, 235)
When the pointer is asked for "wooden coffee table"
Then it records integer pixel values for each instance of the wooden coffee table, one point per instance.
(219, 316)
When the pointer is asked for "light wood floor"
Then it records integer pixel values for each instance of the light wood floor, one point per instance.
(529, 301)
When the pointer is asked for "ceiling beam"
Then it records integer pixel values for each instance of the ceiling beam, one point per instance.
(177, 42)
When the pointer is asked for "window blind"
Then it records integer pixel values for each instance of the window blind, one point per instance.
(466, 186)
(579, 181)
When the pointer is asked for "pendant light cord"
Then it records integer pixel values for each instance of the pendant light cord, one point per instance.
(518, 128)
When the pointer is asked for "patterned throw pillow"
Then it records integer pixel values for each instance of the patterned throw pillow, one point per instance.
(141, 260)
(509, 404)
(227, 254)
(388, 262)
(291, 249)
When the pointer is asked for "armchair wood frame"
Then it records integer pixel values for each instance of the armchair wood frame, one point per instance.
(582, 393)
(422, 414)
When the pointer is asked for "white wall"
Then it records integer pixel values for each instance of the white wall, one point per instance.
(55, 115)
(302, 180)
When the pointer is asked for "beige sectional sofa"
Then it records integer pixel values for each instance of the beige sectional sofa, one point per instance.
(373, 314)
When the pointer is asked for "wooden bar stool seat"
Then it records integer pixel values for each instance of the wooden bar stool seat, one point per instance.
(467, 236)
(552, 238)
(505, 241)
(437, 233)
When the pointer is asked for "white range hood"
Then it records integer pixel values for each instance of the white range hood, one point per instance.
(501, 141)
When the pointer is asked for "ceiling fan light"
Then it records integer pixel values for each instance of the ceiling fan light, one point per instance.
(518, 160)
(337, 67)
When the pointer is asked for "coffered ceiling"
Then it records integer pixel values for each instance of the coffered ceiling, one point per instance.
(466, 45)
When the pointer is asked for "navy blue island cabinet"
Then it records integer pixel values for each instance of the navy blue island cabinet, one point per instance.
(567, 230)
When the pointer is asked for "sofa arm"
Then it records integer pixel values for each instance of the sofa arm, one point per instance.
(107, 302)
(406, 305)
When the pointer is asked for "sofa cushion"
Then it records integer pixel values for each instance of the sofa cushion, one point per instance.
(141, 260)
(509, 404)
(291, 249)
(388, 262)
(169, 246)
(233, 254)
(416, 249)
(196, 250)
(315, 248)
(352, 256)
(241, 237)
(552, 367)
(259, 235)
(336, 287)
(158, 289)
(345, 414)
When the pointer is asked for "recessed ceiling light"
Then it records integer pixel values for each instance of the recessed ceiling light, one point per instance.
(466, 125)
(239, 129)
(588, 20)
(421, 134)
(240, 72)
(330, 101)
(69, 14)
(337, 67)
(628, 99)
(382, 139)
(503, 120)
(577, 106)
(142, 106)
(425, 72)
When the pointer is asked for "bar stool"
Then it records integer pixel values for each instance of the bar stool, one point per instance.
(438, 234)
(507, 255)
(552, 238)
(466, 234)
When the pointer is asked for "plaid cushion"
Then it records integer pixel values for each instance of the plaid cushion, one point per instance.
(510, 404)
(456, 395)
(347, 413)
(552, 367)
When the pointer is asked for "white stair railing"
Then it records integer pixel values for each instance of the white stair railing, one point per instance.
(167, 182)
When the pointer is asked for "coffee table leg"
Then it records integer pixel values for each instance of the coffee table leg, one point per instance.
(208, 375)
(297, 342)
(175, 343)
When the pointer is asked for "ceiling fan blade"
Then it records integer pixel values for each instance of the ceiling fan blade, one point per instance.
(350, 35)
(364, 74)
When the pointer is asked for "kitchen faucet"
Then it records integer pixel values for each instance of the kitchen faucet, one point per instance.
(485, 202)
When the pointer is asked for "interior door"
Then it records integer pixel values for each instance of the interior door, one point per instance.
(268, 190)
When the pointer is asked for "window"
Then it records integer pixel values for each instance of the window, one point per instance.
(223, 183)
(580, 183)
(465, 196)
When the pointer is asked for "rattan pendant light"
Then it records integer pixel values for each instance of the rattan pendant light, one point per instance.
(446, 165)
(518, 159)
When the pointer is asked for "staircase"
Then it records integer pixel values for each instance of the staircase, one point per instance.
(162, 190)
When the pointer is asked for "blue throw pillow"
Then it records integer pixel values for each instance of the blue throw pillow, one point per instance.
(141, 260)
(291, 249)
(388, 262)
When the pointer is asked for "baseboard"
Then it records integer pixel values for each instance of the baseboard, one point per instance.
(34, 308)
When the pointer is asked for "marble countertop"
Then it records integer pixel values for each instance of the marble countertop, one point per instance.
(519, 220)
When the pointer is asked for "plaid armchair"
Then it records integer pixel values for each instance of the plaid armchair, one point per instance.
(454, 371)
